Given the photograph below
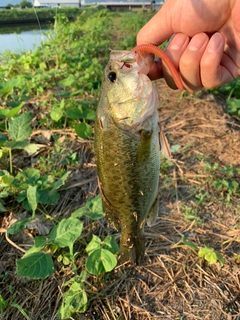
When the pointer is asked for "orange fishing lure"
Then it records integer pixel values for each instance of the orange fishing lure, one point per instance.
(150, 48)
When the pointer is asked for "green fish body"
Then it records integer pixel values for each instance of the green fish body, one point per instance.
(127, 149)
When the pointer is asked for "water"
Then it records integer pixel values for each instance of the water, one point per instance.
(21, 38)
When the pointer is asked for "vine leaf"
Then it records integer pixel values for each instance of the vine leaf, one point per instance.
(38, 265)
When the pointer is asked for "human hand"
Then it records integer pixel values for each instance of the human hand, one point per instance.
(205, 47)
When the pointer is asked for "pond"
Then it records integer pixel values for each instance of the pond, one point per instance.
(22, 38)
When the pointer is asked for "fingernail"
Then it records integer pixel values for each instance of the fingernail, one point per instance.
(197, 42)
(215, 43)
(177, 41)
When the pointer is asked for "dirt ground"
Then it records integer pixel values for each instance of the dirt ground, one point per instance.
(173, 283)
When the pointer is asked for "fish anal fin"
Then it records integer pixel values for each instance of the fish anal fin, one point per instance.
(164, 145)
(153, 213)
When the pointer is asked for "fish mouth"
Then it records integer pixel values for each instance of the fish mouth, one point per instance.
(124, 60)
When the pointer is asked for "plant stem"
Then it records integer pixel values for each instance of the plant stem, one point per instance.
(10, 160)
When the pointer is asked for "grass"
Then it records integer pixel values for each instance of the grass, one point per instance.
(16, 15)
(55, 89)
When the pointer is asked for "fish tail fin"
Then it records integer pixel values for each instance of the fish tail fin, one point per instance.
(132, 248)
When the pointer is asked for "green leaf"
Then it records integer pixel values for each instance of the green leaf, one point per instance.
(19, 127)
(4, 173)
(99, 261)
(60, 182)
(29, 176)
(3, 113)
(39, 243)
(3, 138)
(18, 226)
(13, 104)
(62, 104)
(38, 265)
(89, 114)
(109, 260)
(11, 113)
(92, 209)
(220, 258)
(94, 264)
(93, 245)
(74, 113)
(69, 81)
(74, 300)
(31, 148)
(96, 208)
(66, 260)
(5, 89)
(81, 113)
(25, 145)
(78, 278)
(32, 197)
(64, 94)
(83, 130)
(56, 114)
(6, 181)
(16, 144)
(76, 93)
(3, 303)
(48, 196)
(83, 275)
(2, 208)
(189, 243)
(210, 255)
(80, 212)
(110, 244)
(66, 232)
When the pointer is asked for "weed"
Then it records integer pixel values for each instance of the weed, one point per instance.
(233, 106)
(37, 262)
(17, 132)
(208, 254)
(231, 91)
(224, 180)
(3, 303)
(190, 214)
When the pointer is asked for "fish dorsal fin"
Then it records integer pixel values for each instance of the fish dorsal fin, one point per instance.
(164, 145)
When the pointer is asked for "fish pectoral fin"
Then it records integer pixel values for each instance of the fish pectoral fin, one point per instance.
(145, 133)
(153, 213)
(144, 148)
(164, 145)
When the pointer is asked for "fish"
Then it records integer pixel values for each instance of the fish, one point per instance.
(128, 140)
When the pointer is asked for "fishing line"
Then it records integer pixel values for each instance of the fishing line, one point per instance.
(38, 21)
(40, 29)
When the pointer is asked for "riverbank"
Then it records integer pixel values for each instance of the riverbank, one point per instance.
(44, 15)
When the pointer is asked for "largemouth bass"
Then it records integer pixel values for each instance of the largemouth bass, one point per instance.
(128, 140)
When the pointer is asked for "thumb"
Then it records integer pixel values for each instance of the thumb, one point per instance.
(159, 28)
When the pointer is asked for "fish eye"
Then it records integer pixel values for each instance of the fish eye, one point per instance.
(112, 76)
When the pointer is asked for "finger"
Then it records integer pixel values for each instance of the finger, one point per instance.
(156, 70)
(190, 62)
(217, 68)
(175, 48)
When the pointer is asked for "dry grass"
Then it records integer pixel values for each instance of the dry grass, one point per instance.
(173, 283)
